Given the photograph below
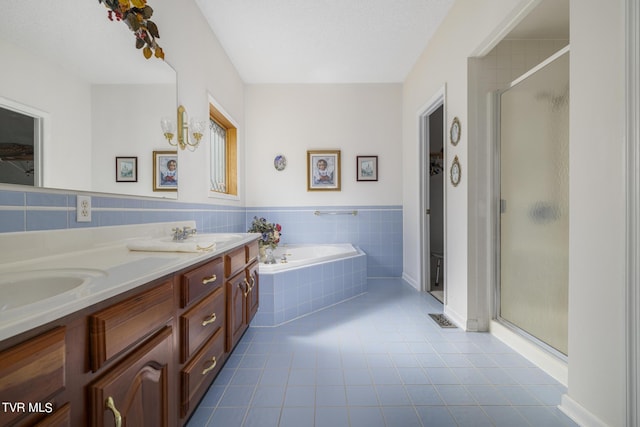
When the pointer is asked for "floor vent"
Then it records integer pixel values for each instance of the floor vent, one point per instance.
(442, 320)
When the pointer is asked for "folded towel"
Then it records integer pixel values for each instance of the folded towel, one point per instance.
(158, 246)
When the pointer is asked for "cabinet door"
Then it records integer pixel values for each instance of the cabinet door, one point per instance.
(135, 392)
(30, 373)
(237, 291)
(253, 297)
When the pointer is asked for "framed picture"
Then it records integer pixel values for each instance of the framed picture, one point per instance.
(323, 170)
(367, 167)
(126, 169)
(165, 171)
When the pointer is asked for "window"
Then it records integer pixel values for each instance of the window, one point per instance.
(223, 177)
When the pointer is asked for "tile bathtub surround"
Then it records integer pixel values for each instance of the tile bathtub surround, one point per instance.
(287, 295)
(378, 360)
(34, 211)
(377, 230)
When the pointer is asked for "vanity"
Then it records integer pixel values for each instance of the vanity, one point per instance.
(136, 338)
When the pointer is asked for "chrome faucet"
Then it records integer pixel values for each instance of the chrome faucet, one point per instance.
(180, 234)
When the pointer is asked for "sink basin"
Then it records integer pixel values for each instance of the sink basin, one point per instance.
(28, 287)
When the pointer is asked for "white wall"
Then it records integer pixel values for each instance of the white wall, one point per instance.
(597, 199)
(28, 80)
(358, 119)
(444, 62)
(202, 68)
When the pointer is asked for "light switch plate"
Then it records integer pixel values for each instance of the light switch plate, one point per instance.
(83, 208)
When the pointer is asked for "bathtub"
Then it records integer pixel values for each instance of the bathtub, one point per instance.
(292, 256)
(312, 278)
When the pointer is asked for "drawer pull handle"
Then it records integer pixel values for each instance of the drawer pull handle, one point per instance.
(246, 289)
(253, 283)
(209, 319)
(116, 414)
(208, 280)
(210, 368)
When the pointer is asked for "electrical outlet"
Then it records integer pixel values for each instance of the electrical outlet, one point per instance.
(83, 208)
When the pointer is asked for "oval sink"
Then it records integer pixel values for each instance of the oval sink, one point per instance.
(24, 288)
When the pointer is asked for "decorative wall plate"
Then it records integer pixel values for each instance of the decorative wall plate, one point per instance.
(280, 162)
(455, 131)
(455, 172)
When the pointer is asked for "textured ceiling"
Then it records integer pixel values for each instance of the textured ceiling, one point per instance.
(324, 41)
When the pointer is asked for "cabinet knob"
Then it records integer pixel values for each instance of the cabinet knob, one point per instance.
(209, 319)
(210, 368)
(116, 414)
(210, 279)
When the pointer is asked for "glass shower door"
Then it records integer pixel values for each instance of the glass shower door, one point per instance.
(534, 205)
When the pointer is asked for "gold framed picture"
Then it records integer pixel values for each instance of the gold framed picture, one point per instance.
(323, 170)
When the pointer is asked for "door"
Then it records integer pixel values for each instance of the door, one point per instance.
(534, 203)
(136, 391)
(436, 202)
(432, 196)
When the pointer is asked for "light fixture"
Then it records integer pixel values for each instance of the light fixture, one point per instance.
(189, 134)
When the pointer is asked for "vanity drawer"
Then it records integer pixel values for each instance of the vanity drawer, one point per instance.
(252, 252)
(201, 280)
(114, 329)
(32, 372)
(196, 376)
(234, 261)
(200, 322)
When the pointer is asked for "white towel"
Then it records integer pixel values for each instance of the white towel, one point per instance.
(159, 246)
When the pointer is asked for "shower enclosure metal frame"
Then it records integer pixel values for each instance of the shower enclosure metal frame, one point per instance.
(497, 209)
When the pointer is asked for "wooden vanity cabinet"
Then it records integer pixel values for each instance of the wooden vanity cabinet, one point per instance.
(145, 357)
(31, 374)
(137, 336)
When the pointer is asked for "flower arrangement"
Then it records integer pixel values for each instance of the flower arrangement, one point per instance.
(136, 14)
(270, 232)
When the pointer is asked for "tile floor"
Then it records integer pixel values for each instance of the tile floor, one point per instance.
(378, 360)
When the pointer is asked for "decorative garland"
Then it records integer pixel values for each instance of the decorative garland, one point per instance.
(136, 14)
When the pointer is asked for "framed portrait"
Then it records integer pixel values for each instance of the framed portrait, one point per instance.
(367, 167)
(165, 171)
(126, 169)
(323, 170)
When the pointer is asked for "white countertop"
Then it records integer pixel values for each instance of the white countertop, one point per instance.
(110, 267)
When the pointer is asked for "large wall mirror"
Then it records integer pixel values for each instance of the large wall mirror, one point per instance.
(75, 94)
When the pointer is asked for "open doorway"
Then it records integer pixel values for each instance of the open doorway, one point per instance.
(432, 183)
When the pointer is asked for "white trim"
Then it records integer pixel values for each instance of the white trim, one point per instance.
(579, 414)
(437, 100)
(552, 365)
(509, 23)
(632, 308)
(410, 280)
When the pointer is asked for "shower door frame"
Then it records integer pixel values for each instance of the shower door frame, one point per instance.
(495, 126)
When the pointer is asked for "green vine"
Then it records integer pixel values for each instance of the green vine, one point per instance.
(136, 14)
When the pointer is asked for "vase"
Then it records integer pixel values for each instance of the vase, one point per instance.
(266, 255)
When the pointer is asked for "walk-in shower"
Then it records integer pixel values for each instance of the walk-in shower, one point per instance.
(533, 157)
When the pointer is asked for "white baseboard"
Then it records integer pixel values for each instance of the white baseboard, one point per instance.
(578, 413)
(549, 363)
(456, 318)
(410, 280)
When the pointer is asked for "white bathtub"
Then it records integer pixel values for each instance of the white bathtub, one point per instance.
(313, 278)
(307, 254)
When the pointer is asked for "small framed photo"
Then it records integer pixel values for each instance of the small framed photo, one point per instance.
(367, 167)
(323, 170)
(165, 171)
(126, 169)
